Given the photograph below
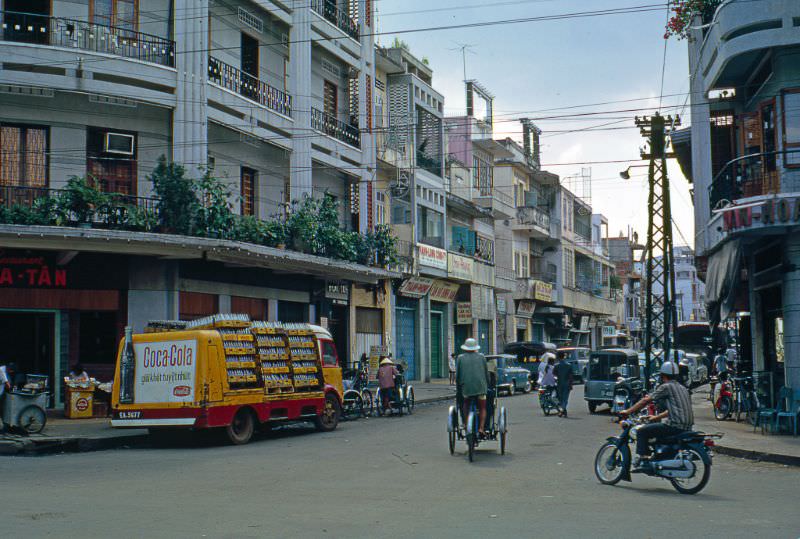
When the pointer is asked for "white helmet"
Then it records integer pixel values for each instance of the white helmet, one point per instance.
(669, 368)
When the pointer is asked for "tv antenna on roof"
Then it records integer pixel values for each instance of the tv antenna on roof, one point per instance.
(464, 48)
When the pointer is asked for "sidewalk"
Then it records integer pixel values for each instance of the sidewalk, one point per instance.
(67, 435)
(739, 440)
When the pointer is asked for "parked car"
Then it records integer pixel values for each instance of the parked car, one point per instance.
(529, 354)
(697, 372)
(578, 358)
(510, 376)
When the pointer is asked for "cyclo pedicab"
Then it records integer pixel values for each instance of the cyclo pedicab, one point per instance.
(402, 398)
(496, 422)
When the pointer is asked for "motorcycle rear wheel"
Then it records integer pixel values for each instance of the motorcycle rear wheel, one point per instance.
(610, 463)
(702, 470)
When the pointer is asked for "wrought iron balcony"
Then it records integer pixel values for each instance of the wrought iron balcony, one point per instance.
(338, 17)
(59, 32)
(747, 176)
(335, 128)
(249, 86)
(533, 216)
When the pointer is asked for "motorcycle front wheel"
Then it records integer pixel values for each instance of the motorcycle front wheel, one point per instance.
(698, 480)
(722, 409)
(610, 463)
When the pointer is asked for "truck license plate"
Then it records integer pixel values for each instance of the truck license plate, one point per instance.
(130, 415)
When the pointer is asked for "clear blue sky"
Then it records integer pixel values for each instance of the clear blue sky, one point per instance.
(533, 66)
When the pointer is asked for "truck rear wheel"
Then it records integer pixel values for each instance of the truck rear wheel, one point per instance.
(328, 419)
(241, 428)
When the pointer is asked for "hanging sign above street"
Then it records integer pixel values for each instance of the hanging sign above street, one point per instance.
(525, 308)
(443, 291)
(542, 291)
(416, 287)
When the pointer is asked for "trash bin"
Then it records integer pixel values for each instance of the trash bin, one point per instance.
(79, 403)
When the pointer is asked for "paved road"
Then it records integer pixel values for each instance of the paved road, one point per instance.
(387, 477)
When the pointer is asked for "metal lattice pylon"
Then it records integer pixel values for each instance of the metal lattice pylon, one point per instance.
(660, 309)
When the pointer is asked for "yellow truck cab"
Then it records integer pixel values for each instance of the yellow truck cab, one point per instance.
(225, 371)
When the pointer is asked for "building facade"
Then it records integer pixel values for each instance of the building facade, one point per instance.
(275, 101)
(741, 153)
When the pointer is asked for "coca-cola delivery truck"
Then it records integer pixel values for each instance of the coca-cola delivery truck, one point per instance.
(226, 372)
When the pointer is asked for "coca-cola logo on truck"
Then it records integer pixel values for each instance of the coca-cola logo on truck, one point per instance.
(182, 391)
(165, 371)
(174, 356)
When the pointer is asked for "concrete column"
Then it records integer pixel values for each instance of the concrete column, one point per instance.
(272, 310)
(224, 303)
(425, 339)
(791, 312)
(756, 326)
(300, 88)
(152, 292)
(190, 127)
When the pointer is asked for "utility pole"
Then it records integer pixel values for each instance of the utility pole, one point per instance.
(660, 311)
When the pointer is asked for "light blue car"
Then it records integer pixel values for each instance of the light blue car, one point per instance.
(510, 376)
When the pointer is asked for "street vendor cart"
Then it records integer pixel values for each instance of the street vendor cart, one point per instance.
(25, 408)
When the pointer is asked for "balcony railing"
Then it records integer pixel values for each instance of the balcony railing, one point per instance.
(533, 216)
(434, 166)
(59, 32)
(335, 128)
(584, 232)
(112, 213)
(249, 86)
(338, 17)
(746, 176)
(495, 193)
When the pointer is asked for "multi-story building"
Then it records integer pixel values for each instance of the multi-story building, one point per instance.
(689, 289)
(532, 240)
(622, 252)
(742, 154)
(276, 101)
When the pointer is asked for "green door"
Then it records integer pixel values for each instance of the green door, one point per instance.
(436, 344)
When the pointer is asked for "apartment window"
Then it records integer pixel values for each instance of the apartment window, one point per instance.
(23, 156)
(791, 127)
(484, 249)
(462, 239)
(122, 14)
(401, 212)
(248, 191)
(110, 165)
(569, 268)
(330, 94)
(380, 208)
(521, 264)
(431, 226)
(519, 194)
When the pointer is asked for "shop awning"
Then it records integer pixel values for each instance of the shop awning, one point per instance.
(721, 280)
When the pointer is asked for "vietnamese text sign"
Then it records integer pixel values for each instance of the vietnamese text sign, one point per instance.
(459, 267)
(432, 256)
(525, 308)
(165, 371)
(542, 291)
(609, 331)
(416, 287)
(443, 291)
(779, 211)
(30, 272)
(463, 312)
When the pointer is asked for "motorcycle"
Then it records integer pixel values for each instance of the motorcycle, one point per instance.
(627, 391)
(684, 460)
(547, 399)
(723, 406)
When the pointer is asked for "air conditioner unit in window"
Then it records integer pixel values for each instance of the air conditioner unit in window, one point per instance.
(118, 143)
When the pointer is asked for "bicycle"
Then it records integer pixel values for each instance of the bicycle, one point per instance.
(745, 399)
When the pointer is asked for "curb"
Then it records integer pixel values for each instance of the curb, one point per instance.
(46, 446)
(758, 456)
(436, 399)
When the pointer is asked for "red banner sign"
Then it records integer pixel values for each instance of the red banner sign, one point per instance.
(20, 271)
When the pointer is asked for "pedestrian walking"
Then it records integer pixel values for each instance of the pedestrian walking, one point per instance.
(563, 372)
(452, 366)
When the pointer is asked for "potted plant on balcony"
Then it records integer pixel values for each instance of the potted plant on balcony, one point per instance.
(80, 200)
(684, 11)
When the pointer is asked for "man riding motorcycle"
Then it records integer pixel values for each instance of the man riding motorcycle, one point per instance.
(677, 415)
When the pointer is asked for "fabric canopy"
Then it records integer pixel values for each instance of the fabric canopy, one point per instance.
(722, 280)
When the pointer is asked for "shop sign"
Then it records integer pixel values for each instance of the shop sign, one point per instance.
(432, 256)
(416, 287)
(501, 305)
(460, 267)
(584, 323)
(542, 291)
(165, 371)
(464, 312)
(20, 271)
(609, 331)
(525, 308)
(522, 323)
(778, 211)
(338, 291)
(443, 291)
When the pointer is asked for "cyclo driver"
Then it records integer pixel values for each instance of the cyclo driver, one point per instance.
(472, 375)
(673, 398)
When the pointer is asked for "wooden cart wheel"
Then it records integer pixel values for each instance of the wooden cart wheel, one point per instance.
(32, 419)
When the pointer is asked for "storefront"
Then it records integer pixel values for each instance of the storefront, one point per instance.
(372, 318)
(441, 295)
(406, 316)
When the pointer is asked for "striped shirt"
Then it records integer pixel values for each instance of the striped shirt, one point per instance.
(675, 398)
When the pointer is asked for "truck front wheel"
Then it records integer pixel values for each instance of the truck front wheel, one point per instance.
(328, 419)
(241, 428)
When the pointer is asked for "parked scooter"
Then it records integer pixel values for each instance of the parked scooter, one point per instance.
(627, 391)
(684, 460)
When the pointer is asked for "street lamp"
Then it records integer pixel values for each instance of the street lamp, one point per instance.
(626, 174)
